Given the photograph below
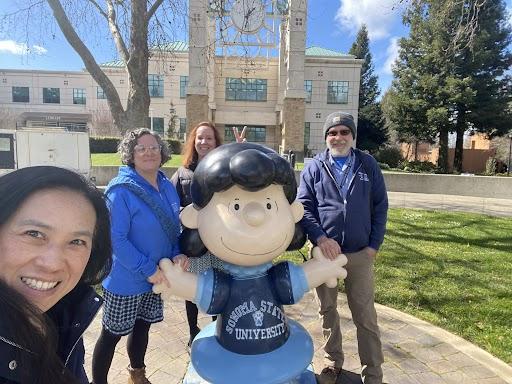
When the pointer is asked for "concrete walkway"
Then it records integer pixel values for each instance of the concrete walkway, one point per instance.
(415, 351)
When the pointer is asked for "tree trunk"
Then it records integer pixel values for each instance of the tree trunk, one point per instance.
(137, 107)
(442, 161)
(460, 128)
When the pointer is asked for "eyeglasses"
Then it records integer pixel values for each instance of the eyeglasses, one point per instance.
(141, 149)
(341, 132)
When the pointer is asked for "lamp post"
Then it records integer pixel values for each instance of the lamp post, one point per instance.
(509, 153)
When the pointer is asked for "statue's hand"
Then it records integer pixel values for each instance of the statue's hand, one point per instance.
(168, 269)
(332, 269)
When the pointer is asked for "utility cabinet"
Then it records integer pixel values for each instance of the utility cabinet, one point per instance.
(25, 147)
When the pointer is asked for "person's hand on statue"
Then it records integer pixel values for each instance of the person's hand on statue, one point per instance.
(330, 247)
(320, 269)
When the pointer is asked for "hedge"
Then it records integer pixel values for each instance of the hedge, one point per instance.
(109, 145)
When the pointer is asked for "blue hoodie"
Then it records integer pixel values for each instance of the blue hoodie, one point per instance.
(356, 223)
(138, 239)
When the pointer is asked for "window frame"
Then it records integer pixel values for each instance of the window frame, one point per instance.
(46, 95)
(27, 100)
(156, 85)
(337, 92)
(79, 96)
(245, 89)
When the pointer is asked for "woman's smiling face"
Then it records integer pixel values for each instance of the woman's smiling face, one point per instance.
(45, 246)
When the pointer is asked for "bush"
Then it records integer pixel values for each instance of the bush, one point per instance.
(384, 166)
(109, 145)
(419, 166)
(103, 144)
(174, 146)
(390, 156)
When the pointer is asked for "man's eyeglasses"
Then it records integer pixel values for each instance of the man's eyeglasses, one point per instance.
(341, 132)
(141, 149)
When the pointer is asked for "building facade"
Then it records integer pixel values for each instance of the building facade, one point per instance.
(283, 98)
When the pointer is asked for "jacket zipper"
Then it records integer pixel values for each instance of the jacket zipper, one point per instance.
(82, 334)
(350, 189)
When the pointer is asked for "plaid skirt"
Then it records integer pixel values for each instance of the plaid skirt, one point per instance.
(120, 312)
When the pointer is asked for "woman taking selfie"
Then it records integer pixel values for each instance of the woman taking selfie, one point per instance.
(54, 244)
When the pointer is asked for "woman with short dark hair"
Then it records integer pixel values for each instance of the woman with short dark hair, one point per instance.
(54, 243)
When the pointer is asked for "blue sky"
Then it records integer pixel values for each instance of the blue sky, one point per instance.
(332, 24)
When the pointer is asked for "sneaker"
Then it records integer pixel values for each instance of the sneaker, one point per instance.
(329, 375)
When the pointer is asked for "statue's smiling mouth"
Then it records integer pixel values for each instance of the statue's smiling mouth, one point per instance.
(254, 254)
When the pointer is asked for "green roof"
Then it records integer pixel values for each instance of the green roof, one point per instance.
(175, 46)
(319, 51)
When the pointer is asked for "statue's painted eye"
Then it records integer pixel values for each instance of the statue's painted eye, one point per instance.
(269, 206)
(237, 207)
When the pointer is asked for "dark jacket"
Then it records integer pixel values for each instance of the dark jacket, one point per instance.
(182, 179)
(354, 224)
(71, 316)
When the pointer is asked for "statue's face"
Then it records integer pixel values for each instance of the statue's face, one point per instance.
(248, 228)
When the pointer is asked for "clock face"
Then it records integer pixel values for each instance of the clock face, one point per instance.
(248, 15)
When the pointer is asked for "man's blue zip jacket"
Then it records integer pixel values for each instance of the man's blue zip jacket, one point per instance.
(356, 223)
(138, 240)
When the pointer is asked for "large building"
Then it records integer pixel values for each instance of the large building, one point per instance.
(278, 88)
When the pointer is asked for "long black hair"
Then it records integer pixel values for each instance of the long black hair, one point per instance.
(33, 338)
(25, 326)
(250, 166)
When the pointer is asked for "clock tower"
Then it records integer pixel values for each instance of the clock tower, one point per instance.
(291, 71)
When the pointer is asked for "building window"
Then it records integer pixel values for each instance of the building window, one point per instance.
(156, 85)
(100, 93)
(256, 134)
(158, 125)
(320, 73)
(298, 21)
(121, 81)
(337, 92)
(79, 96)
(308, 88)
(51, 95)
(183, 127)
(318, 115)
(246, 89)
(20, 95)
(307, 132)
(183, 86)
(66, 82)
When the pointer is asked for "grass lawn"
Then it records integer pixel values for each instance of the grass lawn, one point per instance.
(105, 159)
(451, 269)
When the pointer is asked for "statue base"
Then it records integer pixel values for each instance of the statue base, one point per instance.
(289, 364)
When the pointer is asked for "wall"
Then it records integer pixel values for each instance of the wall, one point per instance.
(477, 186)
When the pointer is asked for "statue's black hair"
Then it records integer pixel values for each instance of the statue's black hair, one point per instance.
(250, 166)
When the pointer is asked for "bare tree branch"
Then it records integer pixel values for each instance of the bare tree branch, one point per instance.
(88, 59)
(98, 7)
(153, 9)
(116, 34)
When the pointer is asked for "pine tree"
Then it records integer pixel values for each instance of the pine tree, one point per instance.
(371, 130)
(448, 79)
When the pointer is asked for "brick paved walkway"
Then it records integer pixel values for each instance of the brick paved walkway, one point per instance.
(415, 351)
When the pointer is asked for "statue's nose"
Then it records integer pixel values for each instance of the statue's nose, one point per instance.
(254, 214)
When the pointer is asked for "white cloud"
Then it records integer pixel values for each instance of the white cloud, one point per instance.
(38, 50)
(13, 47)
(378, 15)
(391, 55)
